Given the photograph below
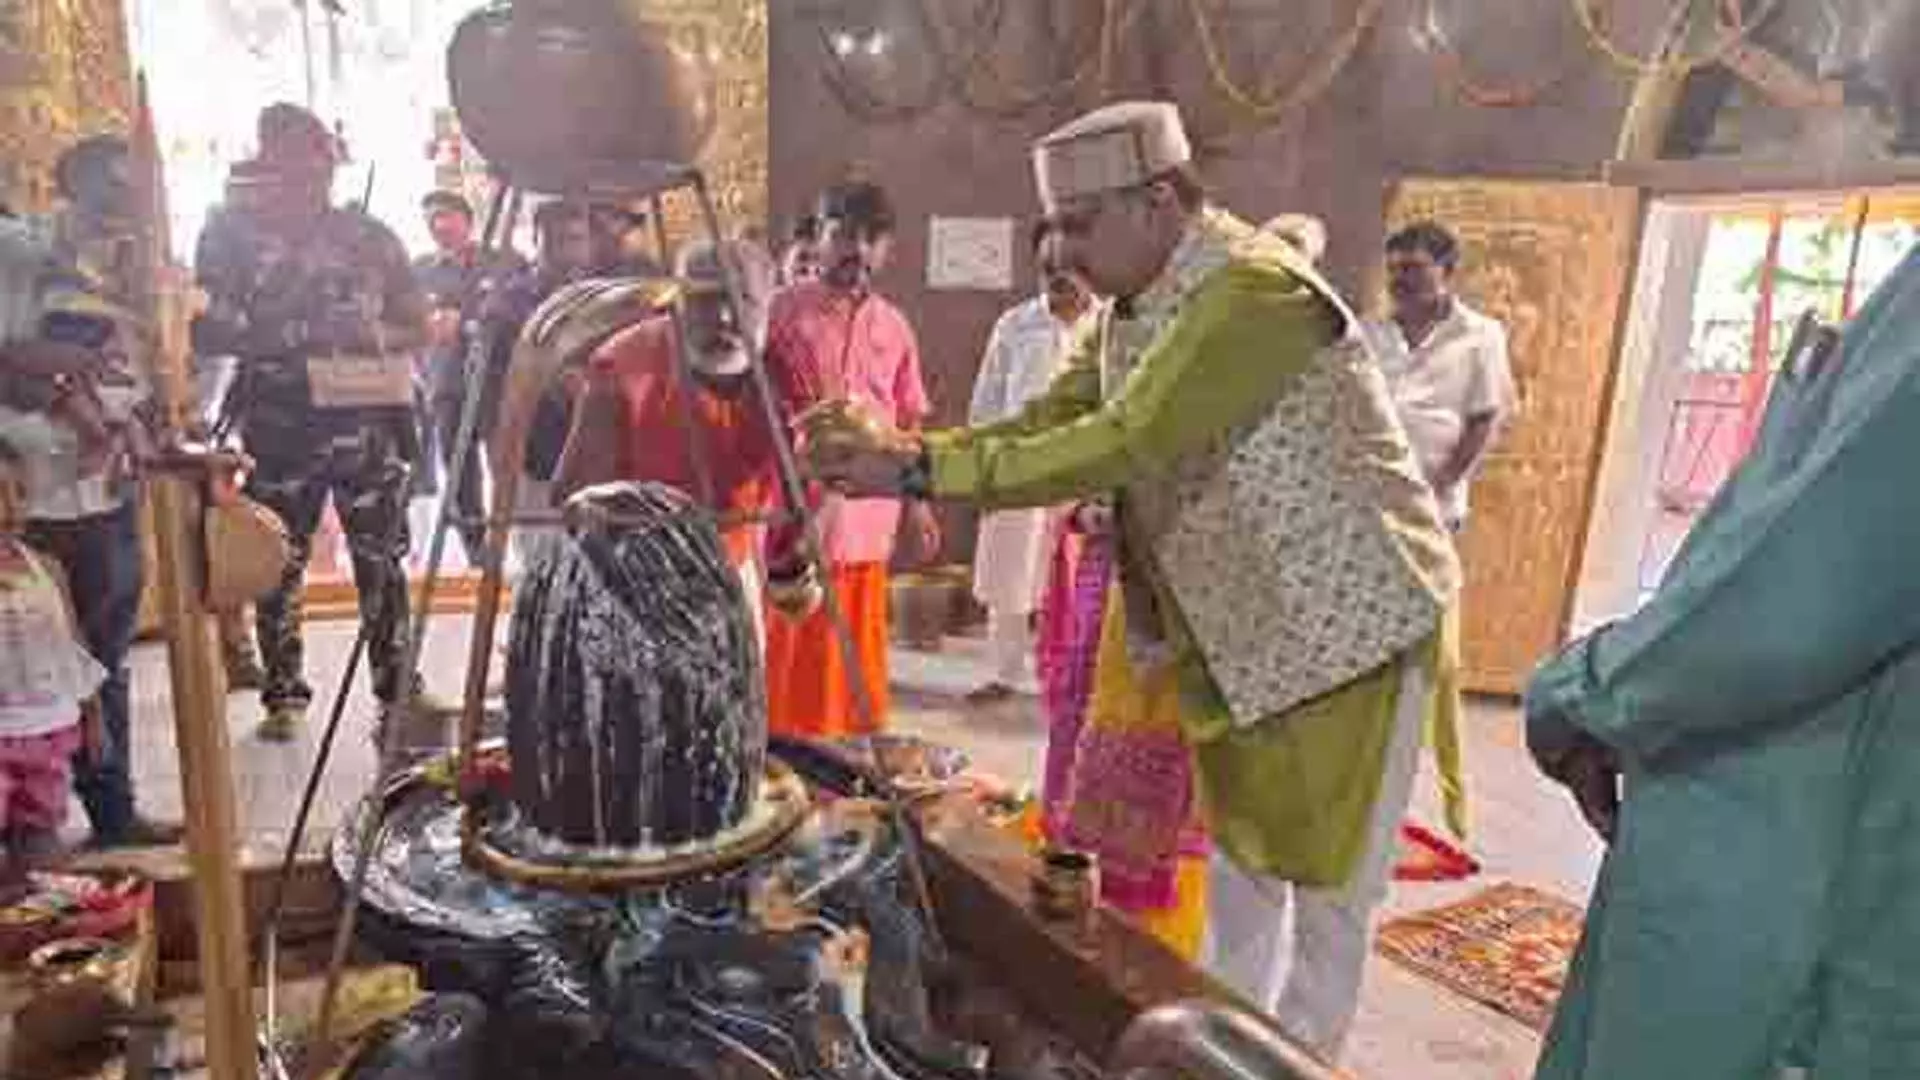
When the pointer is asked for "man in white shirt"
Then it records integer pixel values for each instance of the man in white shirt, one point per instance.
(1024, 353)
(1447, 364)
(71, 390)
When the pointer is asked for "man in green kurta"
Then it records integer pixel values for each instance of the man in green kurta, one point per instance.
(1280, 554)
(1760, 901)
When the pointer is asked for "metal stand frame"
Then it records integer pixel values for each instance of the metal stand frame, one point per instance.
(649, 181)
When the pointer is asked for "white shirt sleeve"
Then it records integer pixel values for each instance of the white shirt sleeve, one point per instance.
(990, 385)
(1490, 390)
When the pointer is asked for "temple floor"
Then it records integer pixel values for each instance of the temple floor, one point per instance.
(1524, 831)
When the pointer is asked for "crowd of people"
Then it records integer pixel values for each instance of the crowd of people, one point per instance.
(1218, 542)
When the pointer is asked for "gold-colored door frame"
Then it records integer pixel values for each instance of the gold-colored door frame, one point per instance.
(1554, 262)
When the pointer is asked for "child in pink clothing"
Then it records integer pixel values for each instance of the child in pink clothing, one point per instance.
(47, 686)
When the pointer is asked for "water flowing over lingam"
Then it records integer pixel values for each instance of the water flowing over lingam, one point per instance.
(652, 892)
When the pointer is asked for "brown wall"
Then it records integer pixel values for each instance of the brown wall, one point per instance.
(1387, 114)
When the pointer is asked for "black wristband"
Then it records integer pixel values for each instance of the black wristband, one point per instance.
(916, 476)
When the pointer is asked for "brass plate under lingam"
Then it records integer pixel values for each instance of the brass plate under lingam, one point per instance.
(784, 805)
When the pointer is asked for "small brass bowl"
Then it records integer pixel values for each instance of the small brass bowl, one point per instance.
(1066, 886)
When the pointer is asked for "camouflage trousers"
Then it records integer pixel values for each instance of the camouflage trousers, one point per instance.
(366, 475)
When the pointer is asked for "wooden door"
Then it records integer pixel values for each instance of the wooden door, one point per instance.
(1553, 261)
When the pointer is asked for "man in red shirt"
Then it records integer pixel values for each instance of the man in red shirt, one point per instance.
(639, 420)
(836, 338)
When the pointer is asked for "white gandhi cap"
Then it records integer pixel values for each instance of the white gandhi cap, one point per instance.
(1111, 148)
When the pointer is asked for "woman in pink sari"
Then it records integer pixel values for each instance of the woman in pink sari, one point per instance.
(1068, 640)
(1118, 782)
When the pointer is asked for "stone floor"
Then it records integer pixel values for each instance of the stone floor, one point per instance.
(1408, 1028)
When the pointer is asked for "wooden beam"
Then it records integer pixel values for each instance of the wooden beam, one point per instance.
(1089, 986)
(193, 660)
(1732, 176)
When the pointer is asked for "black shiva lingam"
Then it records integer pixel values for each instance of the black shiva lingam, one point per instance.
(658, 898)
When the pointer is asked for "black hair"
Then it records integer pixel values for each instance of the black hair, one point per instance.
(862, 205)
(1038, 232)
(287, 132)
(1431, 237)
(1186, 185)
(557, 213)
(805, 229)
(450, 201)
(88, 154)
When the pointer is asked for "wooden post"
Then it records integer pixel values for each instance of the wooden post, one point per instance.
(206, 782)
(199, 696)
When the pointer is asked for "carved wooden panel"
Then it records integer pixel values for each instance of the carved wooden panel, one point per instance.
(732, 36)
(1553, 261)
(64, 73)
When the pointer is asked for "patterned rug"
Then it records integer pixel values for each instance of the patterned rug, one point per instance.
(1427, 856)
(1508, 947)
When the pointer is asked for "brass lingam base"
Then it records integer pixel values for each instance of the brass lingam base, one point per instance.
(784, 807)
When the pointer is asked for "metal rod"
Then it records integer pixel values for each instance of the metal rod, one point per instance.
(723, 519)
(504, 204)
(699, 447)
(501, 210)
(795, 490)
(297, 838)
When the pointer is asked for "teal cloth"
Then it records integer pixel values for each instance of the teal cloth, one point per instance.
(1761, 903)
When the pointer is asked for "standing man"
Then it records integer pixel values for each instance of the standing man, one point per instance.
(633, 422)
(321, 308)
(456, 281)
(71, 387)
(1446, 362)
(1024, 352)
(800, 259)
(833, 339)
(1283, 570)
(1747, 743)
(620, 242)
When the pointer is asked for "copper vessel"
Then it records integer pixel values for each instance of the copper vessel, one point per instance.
(569, 95)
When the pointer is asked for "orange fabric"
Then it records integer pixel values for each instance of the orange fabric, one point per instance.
(809, 687)
(638, 365)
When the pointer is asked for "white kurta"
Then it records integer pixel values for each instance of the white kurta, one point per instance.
(1024, 353)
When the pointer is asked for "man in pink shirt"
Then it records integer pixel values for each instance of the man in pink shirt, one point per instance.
(830, 339)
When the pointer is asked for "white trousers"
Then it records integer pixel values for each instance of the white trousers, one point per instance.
(1010, 639)
(1299, 951)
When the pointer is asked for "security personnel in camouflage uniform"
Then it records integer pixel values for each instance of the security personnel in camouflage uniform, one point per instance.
(320, 306)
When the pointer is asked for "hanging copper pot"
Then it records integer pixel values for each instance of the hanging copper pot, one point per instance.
(563, 94)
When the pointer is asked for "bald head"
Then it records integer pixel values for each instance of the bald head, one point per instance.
(720, 341)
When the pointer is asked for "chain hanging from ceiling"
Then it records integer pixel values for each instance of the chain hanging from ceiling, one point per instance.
(960, 63)
(1271, 103)
(1431, 34)
(1116, 18)
(1736, 26)
(851, 89)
